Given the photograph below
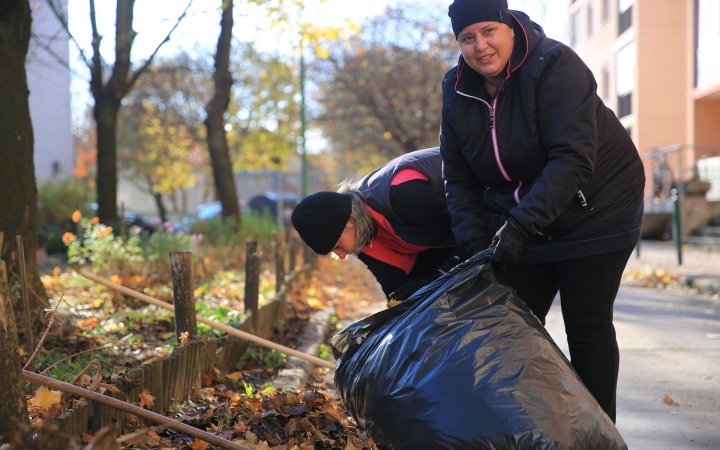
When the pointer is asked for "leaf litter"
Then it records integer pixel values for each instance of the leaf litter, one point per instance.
(241, 406)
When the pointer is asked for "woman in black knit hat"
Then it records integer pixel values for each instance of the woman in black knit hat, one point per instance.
(395, 220)
(538, 167)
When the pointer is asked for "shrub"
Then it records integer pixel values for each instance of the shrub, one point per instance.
(139, 254)
(56, 201)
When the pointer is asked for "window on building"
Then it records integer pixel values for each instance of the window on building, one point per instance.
(624, 15)
(605, 92)
(625, 78)
(56, 168)
(590, 18)
(605, 10)
(575, 26)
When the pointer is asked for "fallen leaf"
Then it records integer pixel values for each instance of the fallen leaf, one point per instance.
(184, 337)
(146, 400)
(262, 446)
(235, 375)
(45, 398)
(315, 303)
(668, 400)
(197, 444)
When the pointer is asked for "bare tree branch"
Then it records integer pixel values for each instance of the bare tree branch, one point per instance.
(143, 68)
(96, 66)
(64, 22)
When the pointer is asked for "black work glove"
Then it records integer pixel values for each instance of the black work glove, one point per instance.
(405, 291)
(508, 243)
(459, 255)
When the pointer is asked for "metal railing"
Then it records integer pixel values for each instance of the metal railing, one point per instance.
(668, 179)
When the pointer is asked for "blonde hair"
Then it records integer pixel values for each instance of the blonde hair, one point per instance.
(360, 217)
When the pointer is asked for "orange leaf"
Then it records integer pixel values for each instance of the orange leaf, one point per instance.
(146, 400)
(197, 444)
(45, 398)
(668, 400)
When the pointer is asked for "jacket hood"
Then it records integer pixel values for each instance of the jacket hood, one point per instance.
(527, 36)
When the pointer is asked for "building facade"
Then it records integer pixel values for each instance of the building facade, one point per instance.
(48, 78)
(657, 66)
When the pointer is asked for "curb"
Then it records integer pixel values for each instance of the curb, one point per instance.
(704, 284)
(297, 372)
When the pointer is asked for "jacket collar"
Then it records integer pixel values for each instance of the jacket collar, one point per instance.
(527, 36)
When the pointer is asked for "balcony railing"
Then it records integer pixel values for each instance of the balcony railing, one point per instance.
(624, 20)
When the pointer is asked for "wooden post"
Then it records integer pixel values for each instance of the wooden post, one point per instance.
(183, 293)
(309, 256)
(294, 243)
(279, 256)
(123, 230)
(29, 347)
(13, 408)
(252, 281)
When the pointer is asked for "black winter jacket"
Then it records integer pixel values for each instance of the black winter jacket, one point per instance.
(417, 212)
(544, 150)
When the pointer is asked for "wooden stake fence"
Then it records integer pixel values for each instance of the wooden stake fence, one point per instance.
(132, 409)
(230, 330)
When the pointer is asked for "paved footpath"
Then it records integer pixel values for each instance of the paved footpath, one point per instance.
(669, 345)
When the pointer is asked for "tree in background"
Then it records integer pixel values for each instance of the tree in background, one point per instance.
(108, 93)
(18, 196)
(381, 91)
(161, 137)
(161, 147)
(262, 112)
(215, 120)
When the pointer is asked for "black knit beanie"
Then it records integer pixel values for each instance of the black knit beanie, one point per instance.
(467, 12)
(320, 219)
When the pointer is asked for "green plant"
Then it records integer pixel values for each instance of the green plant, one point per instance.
(249, 391)
(103, 250)
(225, 233)
(56, 202)
(138, 254)
(222, 314)
(324, 351)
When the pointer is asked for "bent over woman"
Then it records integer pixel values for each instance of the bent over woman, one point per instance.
(395, 220)
(536, 165)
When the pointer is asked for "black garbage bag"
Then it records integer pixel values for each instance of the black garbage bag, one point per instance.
(464, 364)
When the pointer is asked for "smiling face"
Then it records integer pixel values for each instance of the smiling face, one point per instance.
(346, 244)
(487, 47)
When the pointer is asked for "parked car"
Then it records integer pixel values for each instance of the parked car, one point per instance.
(132, 219)
(269, 202)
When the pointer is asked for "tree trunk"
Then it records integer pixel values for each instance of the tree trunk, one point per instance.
(18, 194)
(13, 408)
(162, 210)
(105, 113)
(215, 123)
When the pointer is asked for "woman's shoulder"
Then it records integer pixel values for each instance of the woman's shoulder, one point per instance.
(450, 78)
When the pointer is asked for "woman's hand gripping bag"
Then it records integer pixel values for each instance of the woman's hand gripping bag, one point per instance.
(463, 364)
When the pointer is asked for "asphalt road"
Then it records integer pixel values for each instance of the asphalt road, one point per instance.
(669, 345)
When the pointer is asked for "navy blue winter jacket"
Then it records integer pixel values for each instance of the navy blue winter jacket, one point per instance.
(543, 150)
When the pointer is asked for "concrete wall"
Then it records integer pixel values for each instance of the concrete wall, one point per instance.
(48, 77)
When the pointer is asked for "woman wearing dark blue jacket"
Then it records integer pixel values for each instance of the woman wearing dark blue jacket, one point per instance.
(536, 165)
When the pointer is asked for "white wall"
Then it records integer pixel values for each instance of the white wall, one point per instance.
(48, 77)
(708, 43)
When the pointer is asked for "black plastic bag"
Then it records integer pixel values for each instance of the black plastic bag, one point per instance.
(464, 364)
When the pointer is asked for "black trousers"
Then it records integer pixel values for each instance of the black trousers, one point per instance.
(588, 287)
